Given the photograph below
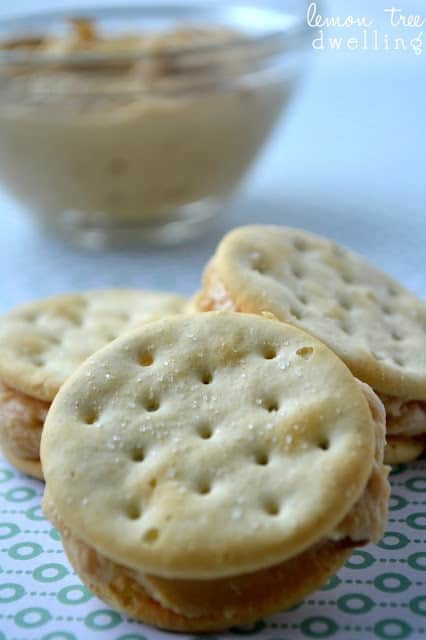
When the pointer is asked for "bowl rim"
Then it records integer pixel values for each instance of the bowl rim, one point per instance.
(276, 41)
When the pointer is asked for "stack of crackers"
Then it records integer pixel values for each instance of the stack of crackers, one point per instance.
(214, 461)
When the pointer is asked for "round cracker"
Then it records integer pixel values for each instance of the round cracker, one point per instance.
(43, 342)
(29, 467)
(207, 445)
(375, 325)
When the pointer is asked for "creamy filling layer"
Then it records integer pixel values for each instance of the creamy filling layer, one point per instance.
(366, 519)
(400, 450)
(404, 417)
(190, 598)
(21, 422)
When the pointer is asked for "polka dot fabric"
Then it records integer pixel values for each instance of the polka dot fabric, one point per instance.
(380, 593)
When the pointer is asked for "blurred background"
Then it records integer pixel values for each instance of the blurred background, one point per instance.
(346, 161)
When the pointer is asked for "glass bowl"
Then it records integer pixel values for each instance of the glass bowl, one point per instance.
(135, 124)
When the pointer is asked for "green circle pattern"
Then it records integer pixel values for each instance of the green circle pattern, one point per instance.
(35, 513)
(102, 619)
(418, 605)
(392, 582)
(319, 627)
(417, 521)
(51, 572)
(11, 592)
(74, 594)
(380, 593)
(333, 582)
(20, 494)
(25, 550)
(417, 560)
(397, 502)
(8, 530)
(355, 603)
(5, 475)
(393, 540)
(417, 484)
(393, 629)
(360, 560)
(32, 617)
(54, 535)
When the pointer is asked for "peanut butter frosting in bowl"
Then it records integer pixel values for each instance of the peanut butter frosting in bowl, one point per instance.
(137, 124)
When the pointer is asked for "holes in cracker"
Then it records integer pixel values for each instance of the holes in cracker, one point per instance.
(261, 458)
(151, 535)
(90, 416)
(269, 352)
(323, 443)
(272, 405)
(395, 335)
(137, 454)
(300, 245)
(305, 352)
(269, 404)
(151, 404)
(347, 277)
(37, 359)
(203, 486)
(30, 316)
(296, 313)
(260, 268)
(392, 291)
(145, 358)
(371, 297)
(296, 270)
(345, 303)
(153, 483)
(398, 361)
(33, 350)
(346, 326)
(133, 510)
(386, 309)
(206, 377)
(205, 431)
(302, 298)
(73, 317)
(271, 507)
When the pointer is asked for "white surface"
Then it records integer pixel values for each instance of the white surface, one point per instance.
(348, 162)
